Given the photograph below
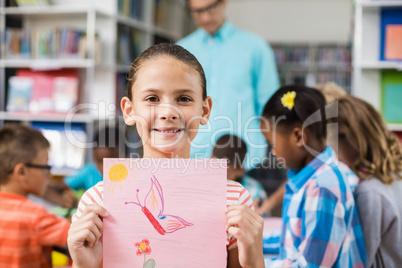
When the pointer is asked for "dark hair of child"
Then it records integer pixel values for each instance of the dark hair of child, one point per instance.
(18, 144)
(307, 102)
(232, 148)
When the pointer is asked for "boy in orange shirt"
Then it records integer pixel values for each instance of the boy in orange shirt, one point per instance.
(27, 230)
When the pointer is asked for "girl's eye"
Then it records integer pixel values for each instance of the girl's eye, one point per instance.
(184, 99)
(151, 99)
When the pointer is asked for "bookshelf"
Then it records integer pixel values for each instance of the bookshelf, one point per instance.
(369, 67)
(313, 64)
(96, 38)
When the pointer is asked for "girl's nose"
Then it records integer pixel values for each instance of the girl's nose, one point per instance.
(168, 113)
(168, 117)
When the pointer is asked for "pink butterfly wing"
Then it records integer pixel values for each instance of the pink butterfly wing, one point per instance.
(154, 202)
(173, 223)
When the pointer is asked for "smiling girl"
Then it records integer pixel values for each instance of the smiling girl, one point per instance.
(167, 99)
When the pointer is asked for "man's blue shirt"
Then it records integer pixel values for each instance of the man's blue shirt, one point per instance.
(241, 76)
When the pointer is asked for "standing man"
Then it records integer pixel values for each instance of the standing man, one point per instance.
(241, 76)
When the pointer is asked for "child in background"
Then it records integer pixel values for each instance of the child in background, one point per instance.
(321, 227)
(374, 154)
(27, 230)
(167, 98)
(331, 92)
(107, 146)
(234, 149)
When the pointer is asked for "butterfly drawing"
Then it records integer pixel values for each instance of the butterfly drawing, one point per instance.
(153, 208)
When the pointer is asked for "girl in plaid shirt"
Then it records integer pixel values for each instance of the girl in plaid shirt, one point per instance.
(321, 227)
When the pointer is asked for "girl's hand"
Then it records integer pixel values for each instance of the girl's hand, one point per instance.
(247, 226)
(84, 237)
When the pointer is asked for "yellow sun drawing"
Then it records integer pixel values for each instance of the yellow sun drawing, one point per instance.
(117, 174)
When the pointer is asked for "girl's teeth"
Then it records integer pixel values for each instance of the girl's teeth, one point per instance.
(169, 131)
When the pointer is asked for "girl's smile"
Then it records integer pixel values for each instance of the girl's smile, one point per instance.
(168, 131)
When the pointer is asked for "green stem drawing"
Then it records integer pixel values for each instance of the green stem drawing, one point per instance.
(151, 263)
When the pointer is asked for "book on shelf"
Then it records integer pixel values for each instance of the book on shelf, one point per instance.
(311, 56)
(49, 91)
(65, 150)
(391, 95)
(24, 3)
(393, 42)
(160, 9)
(57, 43)
(129, 44)
(131, 8)
(19, 93)
(292, 55)
(313, 64)
(65, 93)
(83, 51)
(391, 34)
(336, 57)
(41, 98)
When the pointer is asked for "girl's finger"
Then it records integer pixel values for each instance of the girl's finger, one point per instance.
(246, 212)
(101, 211)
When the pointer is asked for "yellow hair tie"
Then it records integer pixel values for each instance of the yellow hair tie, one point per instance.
(288, 100)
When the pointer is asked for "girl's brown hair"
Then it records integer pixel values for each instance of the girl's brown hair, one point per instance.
(166, 49)
(379, 150)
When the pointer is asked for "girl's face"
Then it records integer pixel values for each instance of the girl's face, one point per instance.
(167, 106)
(285, 145)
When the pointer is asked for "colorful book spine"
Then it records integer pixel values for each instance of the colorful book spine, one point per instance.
(59, 43)
(19, 93)
(43, 92)
(391, 34)
(391, 95)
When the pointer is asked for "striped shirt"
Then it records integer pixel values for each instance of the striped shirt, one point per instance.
(26, 231)
(235, 194)
(321, 227)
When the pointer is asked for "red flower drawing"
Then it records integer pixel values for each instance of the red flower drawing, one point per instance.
(143, 247)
